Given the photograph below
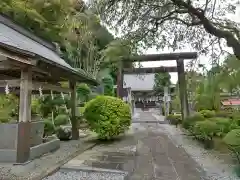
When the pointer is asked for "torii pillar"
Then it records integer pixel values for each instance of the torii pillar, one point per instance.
(182, 89)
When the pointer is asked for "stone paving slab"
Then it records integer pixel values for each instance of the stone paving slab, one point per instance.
(145, 153)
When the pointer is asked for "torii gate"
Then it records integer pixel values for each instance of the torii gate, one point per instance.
(179, 57)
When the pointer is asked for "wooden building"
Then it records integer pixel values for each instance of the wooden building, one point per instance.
(27, 64)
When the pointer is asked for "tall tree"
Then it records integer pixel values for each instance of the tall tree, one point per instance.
(69, 24)
(161, 80)
(175, 23)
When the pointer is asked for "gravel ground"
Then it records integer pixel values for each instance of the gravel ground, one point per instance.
(40, 165)
(215, 168)
(85, 176)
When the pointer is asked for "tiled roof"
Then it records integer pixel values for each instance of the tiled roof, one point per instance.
(15, 39)
(229, 102)
(10, 36)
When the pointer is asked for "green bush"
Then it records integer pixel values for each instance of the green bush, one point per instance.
(189, 122)
(81, 110)
(83, 92)
(93, 95)
(174, 119)
(235, 115)
(107, 116)
(223, 114)
(208, 113)
(61, 119)
(205, 130)
(108, 86)
(224, 125)
(232, 139)
(48, 127)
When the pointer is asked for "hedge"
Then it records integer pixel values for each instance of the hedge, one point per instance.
(107, 116)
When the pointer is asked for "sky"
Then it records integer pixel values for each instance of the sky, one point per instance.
(203, 60)
(174, 78)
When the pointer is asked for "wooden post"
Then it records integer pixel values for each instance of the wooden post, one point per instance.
(75, 131)
(182, 89)
(120, 80)
(166, 102)
(24, 128)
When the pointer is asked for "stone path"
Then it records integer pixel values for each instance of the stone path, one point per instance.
(145, 153)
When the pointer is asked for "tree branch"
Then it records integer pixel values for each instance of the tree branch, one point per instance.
(210, 28)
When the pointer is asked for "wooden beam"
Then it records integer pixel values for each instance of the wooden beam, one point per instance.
(35, 85)
(150, 70)
(162, 57)
(46, 86)
(18, 57)
(75, 131)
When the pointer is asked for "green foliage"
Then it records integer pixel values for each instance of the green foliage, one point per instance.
(83, 92)
(107, 116)
(205, 130)
(47, 105)
(223, 114)
(114, 52)
(174, 119)
(161, 80)
(208, 113)
(108, 86)
(189, 122)
(93, 95)
(224, 125)
(8, 107)
(61, 119)
(74, 29)
(48, 127)
(232, 139)
(81, 110)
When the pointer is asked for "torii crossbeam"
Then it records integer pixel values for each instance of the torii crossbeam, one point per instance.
(179, 57)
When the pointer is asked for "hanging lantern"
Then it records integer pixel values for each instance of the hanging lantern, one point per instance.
(7, 89)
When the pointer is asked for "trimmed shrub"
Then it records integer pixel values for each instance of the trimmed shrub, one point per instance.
(61, 119)
(81, 110)
(232, 139)
(224, 125)
(93, 95)
(205, 131)
(223, 114)
(174, 119)
(189, 122)
(64, 133)
(235, 115)
(48, 127)
(208, 113)
(107, 116)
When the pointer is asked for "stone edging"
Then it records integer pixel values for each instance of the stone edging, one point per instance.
(56, 167)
